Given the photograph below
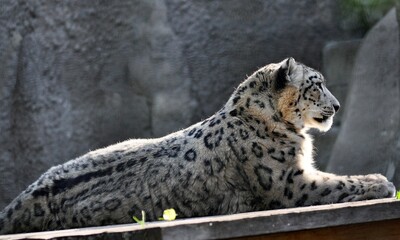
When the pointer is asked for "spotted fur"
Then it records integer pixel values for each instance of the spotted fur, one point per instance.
(254, 154)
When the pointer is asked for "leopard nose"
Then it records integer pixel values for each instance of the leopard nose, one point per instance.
(336, 107)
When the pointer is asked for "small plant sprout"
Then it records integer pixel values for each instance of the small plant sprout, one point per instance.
(398, 195)
(141, 222)
(169, 215)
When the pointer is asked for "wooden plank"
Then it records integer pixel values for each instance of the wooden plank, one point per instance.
(290, 220)
(240, 225)
(382, 230)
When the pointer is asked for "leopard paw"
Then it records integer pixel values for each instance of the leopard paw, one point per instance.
(379, 189)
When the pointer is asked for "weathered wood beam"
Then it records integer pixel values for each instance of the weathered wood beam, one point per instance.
(381, 212)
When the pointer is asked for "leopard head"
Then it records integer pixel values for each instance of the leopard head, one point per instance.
(303, 97)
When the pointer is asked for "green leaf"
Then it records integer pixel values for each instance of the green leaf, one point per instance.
(398, 195)
(136, 219)
(141, 222)
(169, 214)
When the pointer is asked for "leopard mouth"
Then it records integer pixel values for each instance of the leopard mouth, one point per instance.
(321, 119)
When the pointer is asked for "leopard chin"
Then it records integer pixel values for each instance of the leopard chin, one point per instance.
(323, 123)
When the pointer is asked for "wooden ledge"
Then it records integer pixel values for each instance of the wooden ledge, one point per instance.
(372, 219)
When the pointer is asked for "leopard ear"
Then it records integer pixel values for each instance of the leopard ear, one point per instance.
(283, 76)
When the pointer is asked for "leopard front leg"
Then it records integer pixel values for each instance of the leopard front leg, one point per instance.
(325, 188)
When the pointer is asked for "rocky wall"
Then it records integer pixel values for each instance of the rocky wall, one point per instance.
(79, 75)
(369, 139)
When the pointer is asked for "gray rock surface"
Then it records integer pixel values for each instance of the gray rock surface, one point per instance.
(78, 75)
(338, 61)
(369, 139)
(227, 39)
